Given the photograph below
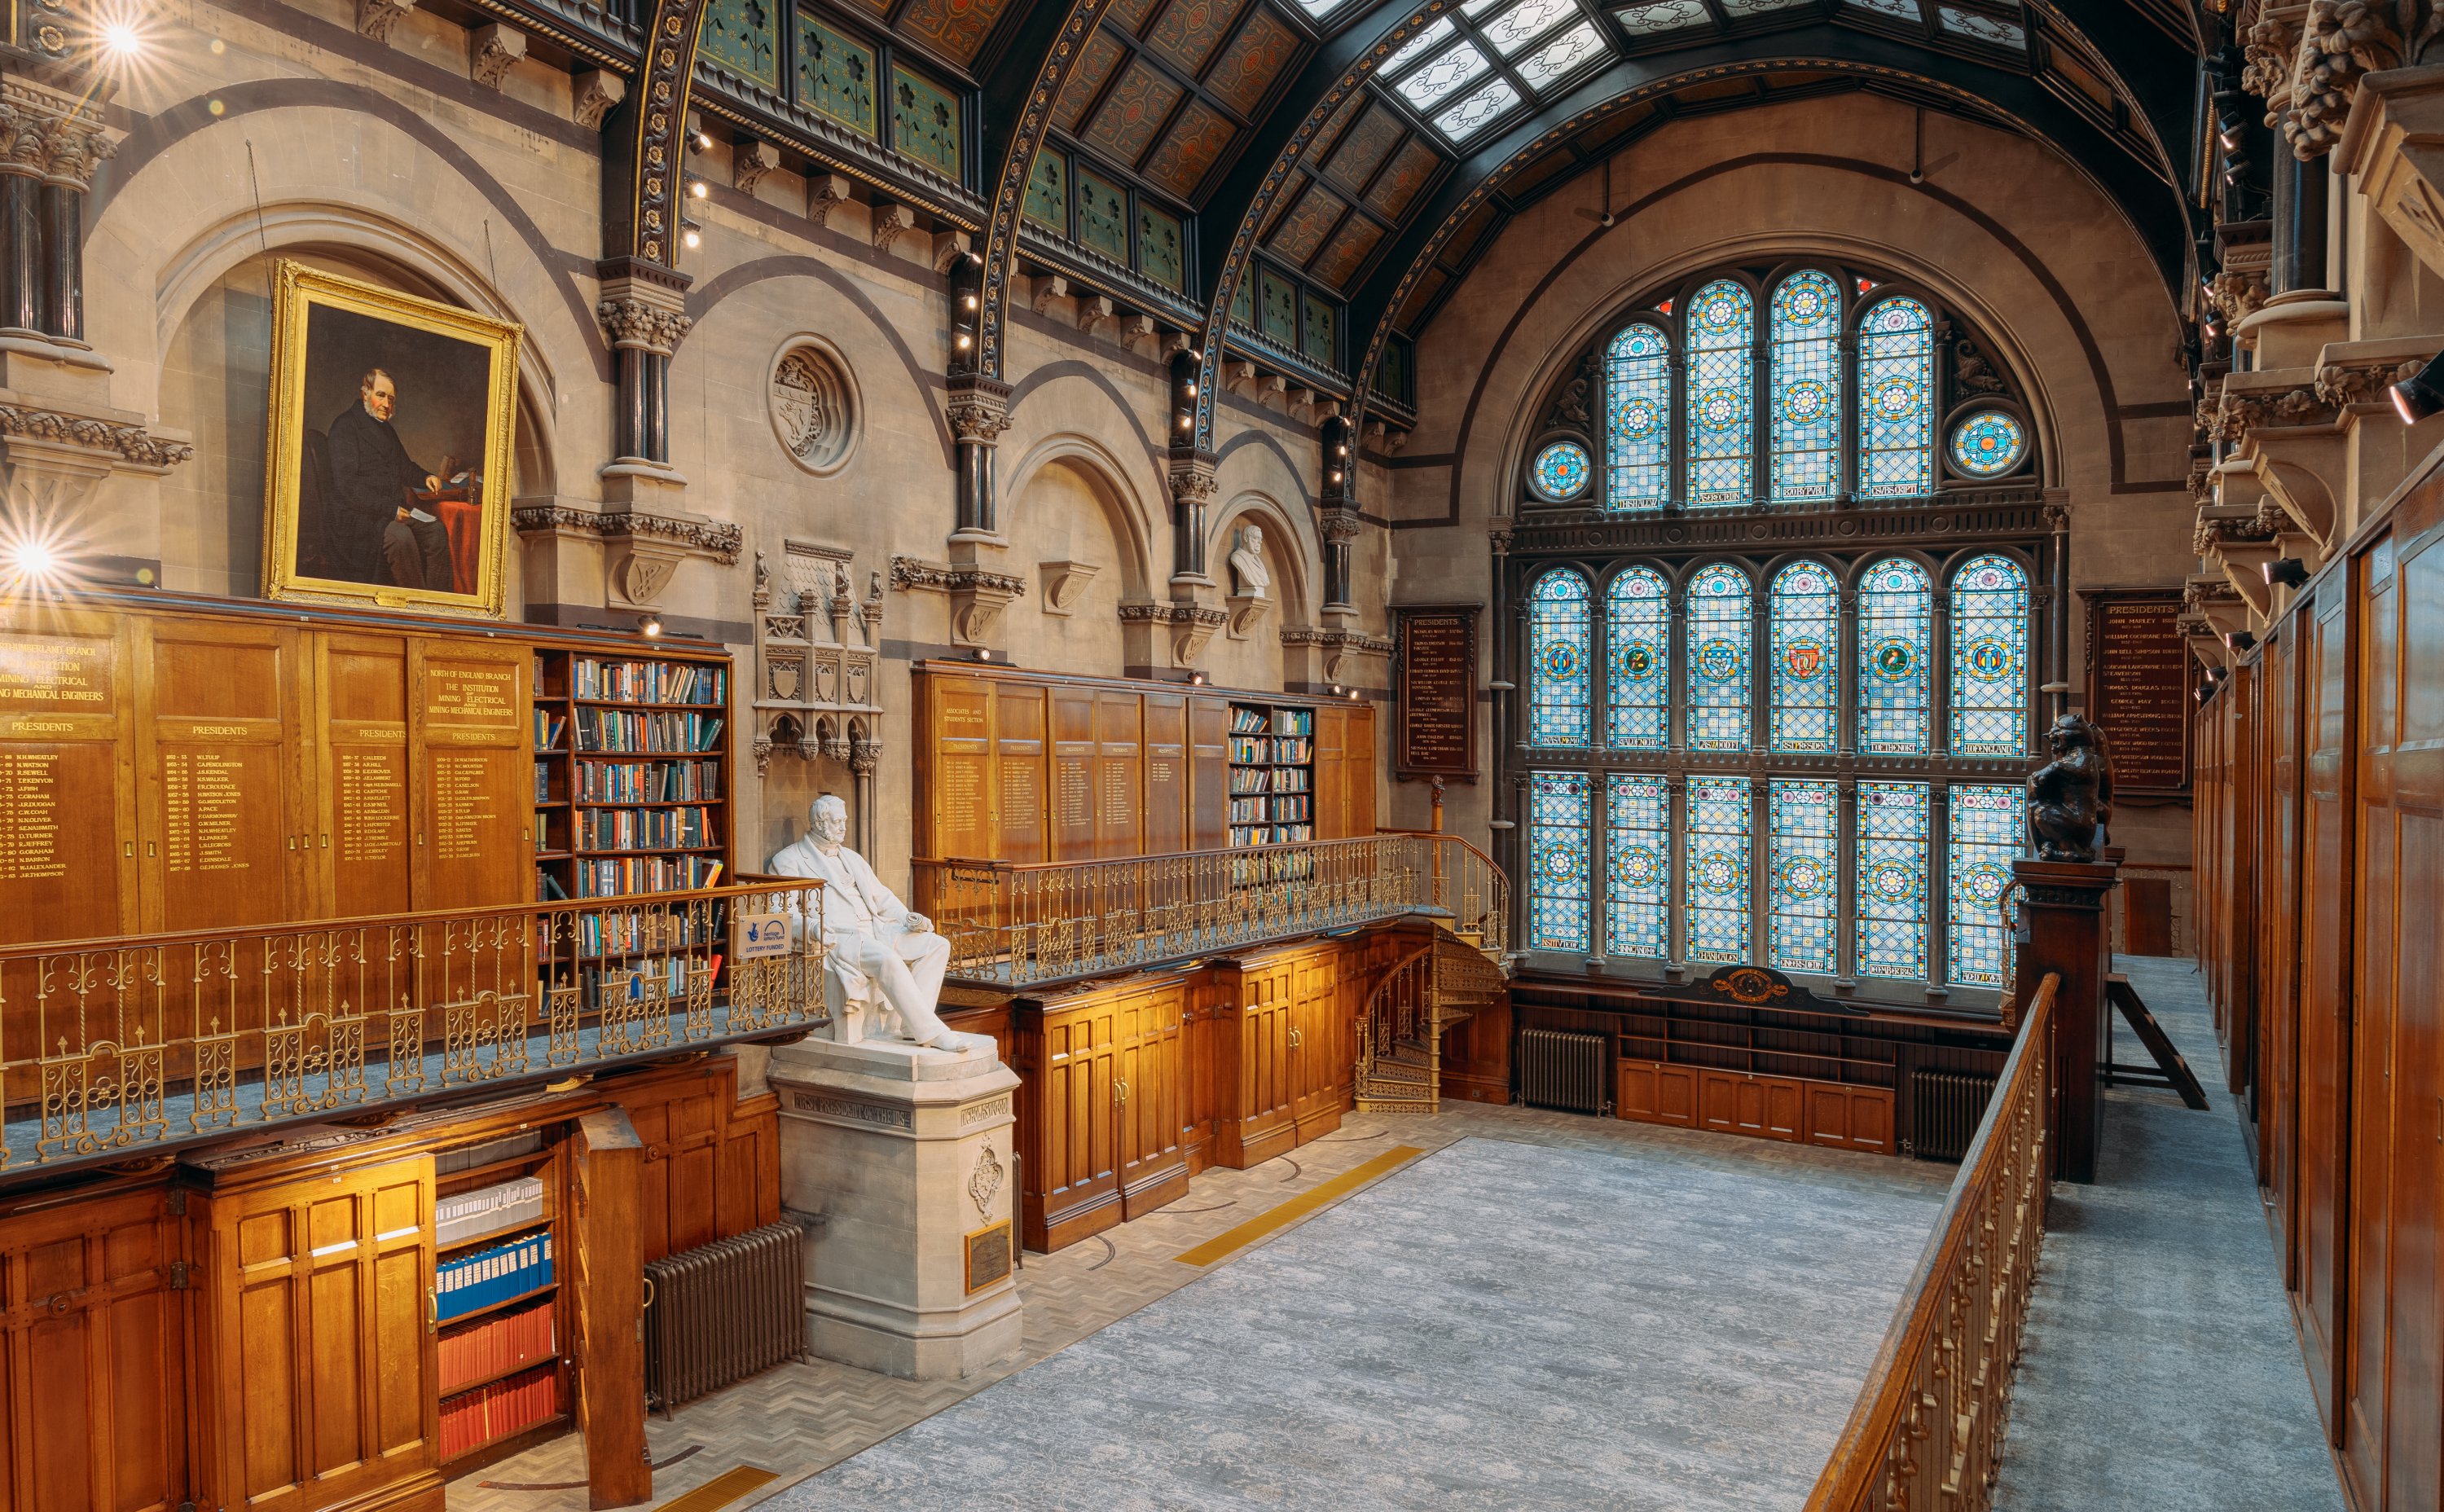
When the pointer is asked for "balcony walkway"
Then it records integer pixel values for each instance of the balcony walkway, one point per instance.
(2160, 1369)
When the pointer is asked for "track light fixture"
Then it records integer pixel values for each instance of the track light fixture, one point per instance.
(2239, 640)
(2421, 394)
(650, 627)
(2289, 571)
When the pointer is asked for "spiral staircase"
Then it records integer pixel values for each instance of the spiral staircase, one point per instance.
(1444, 982)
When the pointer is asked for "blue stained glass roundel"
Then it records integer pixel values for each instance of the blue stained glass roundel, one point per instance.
(1561, 471)
(1989, 444)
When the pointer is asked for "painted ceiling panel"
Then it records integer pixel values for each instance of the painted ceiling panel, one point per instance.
(1305, 228)
(1134, 111)
(1128, 14)
(1191, 29)
(1400, 182)
(1096, 61)
(1189, 149)
(1254, 59)
(1363, 150)
(956, 28)
(1281, 204)
(1348, 251)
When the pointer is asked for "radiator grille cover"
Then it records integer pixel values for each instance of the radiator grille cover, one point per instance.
(1562, 1070)
(1945, 1108)
(721, 1311)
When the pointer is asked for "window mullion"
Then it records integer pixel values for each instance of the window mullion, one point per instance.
(1845, 913)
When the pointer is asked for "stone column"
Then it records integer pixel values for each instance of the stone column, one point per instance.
(979, 413)
(644, 310)
(907, 1157)
(1193, 487)
(1339, 528)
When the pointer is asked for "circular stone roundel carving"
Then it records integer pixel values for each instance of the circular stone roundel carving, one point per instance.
(813, 408)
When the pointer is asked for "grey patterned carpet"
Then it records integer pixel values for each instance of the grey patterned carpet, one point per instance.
(1656, 1323)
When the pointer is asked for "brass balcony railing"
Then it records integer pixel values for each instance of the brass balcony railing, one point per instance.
(110, 1046)
(1020, 925)
(1928, 1428)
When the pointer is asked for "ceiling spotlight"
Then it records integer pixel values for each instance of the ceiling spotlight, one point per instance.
(1353, 696)
(2239, 640)
(984, 654)
(704, 141)
(965, 341)
(1196, 679)
(967, 301)
(2421, 394)
(1185, 421)
(2216, 674)
(650, 627)
(2289, 571)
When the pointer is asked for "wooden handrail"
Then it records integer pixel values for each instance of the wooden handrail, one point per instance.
(1441, 835)
(1928, 1423)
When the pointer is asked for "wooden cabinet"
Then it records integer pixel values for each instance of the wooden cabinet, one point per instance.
(1344, 771)
(1285, 1047)
(1797, 1110)
(1101, 1105)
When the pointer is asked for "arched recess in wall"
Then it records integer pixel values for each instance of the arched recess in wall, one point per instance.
(213, 314)
(1249, 653)
(1079, 540)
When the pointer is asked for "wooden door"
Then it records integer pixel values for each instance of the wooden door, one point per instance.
(679, 1124)
(323, 1363)
(68, 839)
(93, 1372)
(2376, 918)
(1208, 759)
(1072, 1167)
(1152, 1162)
(1254, 1075)
(2325, 1039)
(1319, 1056)
(2280, 981)
(360, 861)
(473, 781)
(1654, 1092)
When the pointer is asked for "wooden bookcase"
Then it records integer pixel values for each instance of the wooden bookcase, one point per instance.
(1272, 775)
(460, 1379)
(631, 773)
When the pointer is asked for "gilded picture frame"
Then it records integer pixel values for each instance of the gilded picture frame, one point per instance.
(387, 474)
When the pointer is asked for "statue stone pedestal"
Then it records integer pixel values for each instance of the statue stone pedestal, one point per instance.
(908, 1155)
(2062, 911)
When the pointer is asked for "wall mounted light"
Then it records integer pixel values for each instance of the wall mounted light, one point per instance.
(2289, 571)
(2421, 394)
(651, 627)
(2239, 640)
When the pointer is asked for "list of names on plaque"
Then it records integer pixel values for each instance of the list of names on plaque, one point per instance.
(1021, 798)
(2141, 691)
(962, 794)
(202, 792)
(1073, 794)
(462, 808)
(29, 817)
(1119, 795)
(1438, 692)
(372, 808)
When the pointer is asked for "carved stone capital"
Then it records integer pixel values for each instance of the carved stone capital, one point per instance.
(1341, 651)
(650, 325)
(977, 596)
(1190, 626)
(1338, 527)
(492, 50)
(978, 410)
(2353, 377)
(1192, 480)
(2245, 412)
(1498, 531)
(59, 137)
(2269, 52)
(593, 95)
(864, 756)
(2341, 43)
(1064, 583)
(2237, 293)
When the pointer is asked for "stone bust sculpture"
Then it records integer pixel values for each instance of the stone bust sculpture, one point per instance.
(1255, 580)
(2070, 796)
(878, 953)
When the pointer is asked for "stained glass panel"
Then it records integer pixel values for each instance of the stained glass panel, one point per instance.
(1556, 861)
(1048, 192)
(1161, 253)
(1892, 879)
(1721, 317)
(1806, 640)
(1985, 839)
(1716, 880)
(1315, 332)
(1802, 895)
(1988, 444)
(1895, 655)
(1718, 659)
(1638, 418)
(1806, 327)
(1637, 646)
(1559, 663)
(1897, 399)
(1637, 866)
(1990, 658)
(1561, 471)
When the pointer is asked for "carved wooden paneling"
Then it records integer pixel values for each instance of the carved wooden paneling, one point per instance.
(1253, 1074)
(1166, 773)
(954, 787)
(2325, 1038)
(1066, 1051)
(1208, 755)
(473, 775)
(68, 864)
(1120, 775)
(1152, 1158)
(362, 859)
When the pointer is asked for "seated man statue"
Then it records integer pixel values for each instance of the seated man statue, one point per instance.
(877, 953)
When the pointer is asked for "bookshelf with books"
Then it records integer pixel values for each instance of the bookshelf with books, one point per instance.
(1272, 775)
(631, 773)
(502, 1374)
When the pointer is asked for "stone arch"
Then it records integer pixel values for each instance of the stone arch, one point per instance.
(1103, 477)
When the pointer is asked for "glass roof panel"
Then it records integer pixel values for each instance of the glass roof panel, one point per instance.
(1418, 46)
(1446, 73)
(1758, 8)
(1477, 111)
(1985, 28)
(1906, 10)
(1661, 15)
(1562, 57)
(1524, 22)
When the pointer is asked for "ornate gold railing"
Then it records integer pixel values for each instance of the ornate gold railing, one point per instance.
(1928, 1428)
(1018, 925)
(112, 1046)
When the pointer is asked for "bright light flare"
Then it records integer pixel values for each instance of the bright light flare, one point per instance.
(121, 40)
(35, 562)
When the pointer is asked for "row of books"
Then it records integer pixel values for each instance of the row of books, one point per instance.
(647, 783)
(613, 729)
(1261, 779)
(495, 1210)
(1272, 834)
(1288, 808)
(496, 1346)
(612, 877)
(632, 931)
(472, 1281)
(1258, 750)
(643, 829)
(634, 981)
(548, 728)
(1247, 721)
(475, 1418)
(647, 682)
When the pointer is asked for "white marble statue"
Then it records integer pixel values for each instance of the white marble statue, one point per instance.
(1248, 563)
(878, 953)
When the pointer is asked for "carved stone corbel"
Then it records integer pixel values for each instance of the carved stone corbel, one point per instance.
(1064, 584)
(977, 596)
(1049, 290)
(492, 50)
(593, 95)
(376, 19)
(1247, 611)
(891, 223)
(1093, 313)
(825, 192)
(748, 162)
(949, 247)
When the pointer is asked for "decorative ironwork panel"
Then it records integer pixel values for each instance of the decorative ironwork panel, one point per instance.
(1717, 645)
(1891, 902)
(1715, 883)
(1804, 327)
(1990, 658)
(1637, 647)
(1638, 419)
(1637, 866)
(1896, 658)
(1558, 861)
(1805, 645)
(1897, 399)
(1720, 406)
(1803, 820)
(1984, 841)
(1560, 661)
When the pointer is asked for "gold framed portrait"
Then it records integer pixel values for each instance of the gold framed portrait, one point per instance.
(388, 472)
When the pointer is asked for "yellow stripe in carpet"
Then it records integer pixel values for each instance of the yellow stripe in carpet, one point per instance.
(1298, 1206)
(721, 1490)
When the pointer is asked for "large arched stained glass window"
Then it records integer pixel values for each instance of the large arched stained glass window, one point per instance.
(1896, 658)
(1558, 862)
(1803, 889)
(1990, 658)
(1806, 639)
(1716, 882)
(1805, 329)
(1985, 839)
(1892, 879)
(1897, 399)
(1637, 414)
(1560, 663)
(1638, 638)
(1637, 866)
(1721, 318)
(1717, 639)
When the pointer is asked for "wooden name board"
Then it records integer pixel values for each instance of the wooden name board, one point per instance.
(1437, 690)
(2139, 677)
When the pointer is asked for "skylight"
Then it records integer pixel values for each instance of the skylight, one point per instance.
(1562, 57)
(1477, 111)
(1664, 15)
(1437, 79)
(1418, 46)
(1524, 22)
(1985, 28)
(1906, 10)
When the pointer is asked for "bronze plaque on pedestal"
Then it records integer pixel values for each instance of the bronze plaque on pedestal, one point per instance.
(988, 1256)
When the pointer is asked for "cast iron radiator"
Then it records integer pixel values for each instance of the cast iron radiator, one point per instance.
(1562, 1070)
(1944, 1110)
(721, 1311)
